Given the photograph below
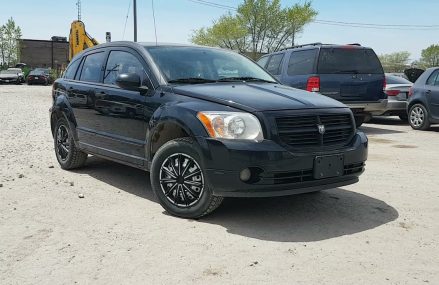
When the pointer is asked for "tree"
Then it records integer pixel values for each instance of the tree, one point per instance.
(259, 26)
(430, 56)
(395, 62)
(9, 48)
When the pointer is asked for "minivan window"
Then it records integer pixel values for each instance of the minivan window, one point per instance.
(274, 64)
(91, 69)
(301, 62)
(122, 62)
(263, 61)
(348, 60)
(71, 70)
(179, 62)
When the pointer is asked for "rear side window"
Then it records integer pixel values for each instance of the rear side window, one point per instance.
(348, 60)
(122, 62)
(71, 69)
(263, 61)
(274, 64)
(91, 69)
(302, 62)
(433, 79)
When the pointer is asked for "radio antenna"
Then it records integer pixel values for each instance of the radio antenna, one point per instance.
(78, 5)
(153, 16)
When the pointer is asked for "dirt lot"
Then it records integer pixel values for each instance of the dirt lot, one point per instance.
(383, 230)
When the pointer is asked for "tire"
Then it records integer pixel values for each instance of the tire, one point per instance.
(419, 117)
(68, 156)
(404, 118)
(359, 120)
(191, 198)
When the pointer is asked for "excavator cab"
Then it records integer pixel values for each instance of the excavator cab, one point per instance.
(79, 39)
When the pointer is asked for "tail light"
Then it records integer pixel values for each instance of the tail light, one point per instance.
(384, 84)
(410, 91)
(313, 84)
(392, 92)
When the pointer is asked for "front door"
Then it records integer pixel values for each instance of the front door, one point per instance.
(432, 94)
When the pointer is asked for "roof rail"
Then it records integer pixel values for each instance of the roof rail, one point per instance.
(304, 45)
(354, 44)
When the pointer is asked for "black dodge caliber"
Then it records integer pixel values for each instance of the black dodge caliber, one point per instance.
(206, 123)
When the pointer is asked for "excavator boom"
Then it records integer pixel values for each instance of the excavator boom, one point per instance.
(79, 39)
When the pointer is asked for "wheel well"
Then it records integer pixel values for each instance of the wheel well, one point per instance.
(165, 132)
(413, 103)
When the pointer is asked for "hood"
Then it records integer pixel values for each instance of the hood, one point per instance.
(258, 96)
(8, 75)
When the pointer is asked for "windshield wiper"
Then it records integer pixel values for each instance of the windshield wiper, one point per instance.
(192, 80)
(245, 78)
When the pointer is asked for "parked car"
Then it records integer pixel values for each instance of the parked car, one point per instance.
(19, 72)
(206, 123)
(351, 74)
(397, 90)
(10, 76)
(423, 104)
(39, 76)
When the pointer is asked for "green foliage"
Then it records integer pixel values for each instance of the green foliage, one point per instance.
(430, 56)
(10, 33)
(395, 62)
(259, 26)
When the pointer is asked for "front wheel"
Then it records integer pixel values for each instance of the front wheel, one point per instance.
(419, 117)
(179, 180)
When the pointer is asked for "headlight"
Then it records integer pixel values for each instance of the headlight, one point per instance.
(231, 125)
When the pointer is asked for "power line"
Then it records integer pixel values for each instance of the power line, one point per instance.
(340, 23)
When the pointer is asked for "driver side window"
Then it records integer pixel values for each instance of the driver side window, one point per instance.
(122, 62)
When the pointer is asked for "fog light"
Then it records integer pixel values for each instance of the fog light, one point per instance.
(245, 174)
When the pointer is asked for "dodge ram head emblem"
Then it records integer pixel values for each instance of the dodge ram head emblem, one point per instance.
(322, 129)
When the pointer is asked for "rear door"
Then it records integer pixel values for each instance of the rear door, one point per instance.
(432, 93)
(350, 74)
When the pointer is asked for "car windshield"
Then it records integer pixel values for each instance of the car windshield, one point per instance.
(8, 72)
(37, 72)
(349, 60)
(195, 65)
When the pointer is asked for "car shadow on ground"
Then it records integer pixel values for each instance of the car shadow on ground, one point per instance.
(368, 130)
(299, 218)
(391, 121)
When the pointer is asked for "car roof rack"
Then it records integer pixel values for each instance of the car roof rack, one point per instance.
(304, 45)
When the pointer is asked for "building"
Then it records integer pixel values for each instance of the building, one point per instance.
(41, 53)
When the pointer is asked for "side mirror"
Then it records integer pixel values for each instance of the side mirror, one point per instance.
(130, 81)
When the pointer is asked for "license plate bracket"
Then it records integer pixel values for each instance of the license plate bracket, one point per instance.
(328, 166)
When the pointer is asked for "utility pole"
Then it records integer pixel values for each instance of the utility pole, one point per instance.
(135, 19)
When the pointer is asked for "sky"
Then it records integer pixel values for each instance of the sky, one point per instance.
(177, 19)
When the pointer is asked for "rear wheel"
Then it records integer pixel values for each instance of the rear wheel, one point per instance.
(419, 117)
(68, 156)
(179, 180)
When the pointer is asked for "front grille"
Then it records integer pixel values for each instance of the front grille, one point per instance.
(303, 131)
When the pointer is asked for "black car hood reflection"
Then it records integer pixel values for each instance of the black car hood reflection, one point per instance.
(258, 96)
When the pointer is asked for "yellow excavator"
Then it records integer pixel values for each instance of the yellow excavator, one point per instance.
(79, 39)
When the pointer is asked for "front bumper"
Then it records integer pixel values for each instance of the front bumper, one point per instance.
(279, 171)
(368, 107)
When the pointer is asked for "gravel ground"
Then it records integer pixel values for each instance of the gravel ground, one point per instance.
(383, 230)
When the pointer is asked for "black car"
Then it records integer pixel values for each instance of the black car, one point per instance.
(351, 74)
(38, 76)
(423, 104)
(206, 123)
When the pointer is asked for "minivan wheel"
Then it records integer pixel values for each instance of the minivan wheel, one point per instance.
(68, 156)
(418, 117)
(179, 180)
